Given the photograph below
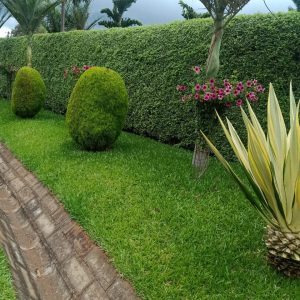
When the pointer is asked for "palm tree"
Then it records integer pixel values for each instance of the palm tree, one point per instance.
(4, 15)
(64, 10)
(116, 15)
(76, 17)
(29, 14)
(63, 15)
(189, 13)
(297, 4)
(17, 31)
(52, 21)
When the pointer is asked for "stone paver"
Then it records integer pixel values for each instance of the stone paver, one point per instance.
(51, 257)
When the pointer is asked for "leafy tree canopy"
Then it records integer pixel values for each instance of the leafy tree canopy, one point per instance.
(189, 12)
(115, 15)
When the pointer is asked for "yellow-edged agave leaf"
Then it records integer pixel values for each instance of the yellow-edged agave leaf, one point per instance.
(292, 164)
(258, 155)
(257, 125)
(276, 128)
(242, 154)
(260, 167)
(265, 189)
(241, 151)
(271, 163)
(277, 138)
(295, 224)
(229, 138)
(293, 106)
(257, 204)
(259, 162)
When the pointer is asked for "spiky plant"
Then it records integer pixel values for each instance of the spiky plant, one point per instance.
(272, 165)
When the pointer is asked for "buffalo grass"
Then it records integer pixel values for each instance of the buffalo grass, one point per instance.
(172, 236)
(6, 287)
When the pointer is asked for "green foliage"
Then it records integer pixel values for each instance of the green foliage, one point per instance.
(6, 285)
(115, 15)
(4, 15)
(297, 4)
(97, 108)
(29, 14)
(154, 59)
(17, 31)
(140, 204)
(76, 16)
(29, 92)
(189, 12)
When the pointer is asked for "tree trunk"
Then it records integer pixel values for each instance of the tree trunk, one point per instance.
(204, 122)
(63, 15)
(200, 159)
(213, 60)
(29, 50)
(119, 21)
(201, 151)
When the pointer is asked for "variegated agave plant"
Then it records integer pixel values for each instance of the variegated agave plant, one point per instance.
(272, 165)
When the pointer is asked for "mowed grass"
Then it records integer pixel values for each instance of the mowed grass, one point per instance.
(172, 236)
(6, 287)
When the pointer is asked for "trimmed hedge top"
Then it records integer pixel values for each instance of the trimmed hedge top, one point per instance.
(28, 94)
(154, 59)
(97, 108)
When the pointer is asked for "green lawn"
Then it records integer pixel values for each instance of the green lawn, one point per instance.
(6, 288)
(172, 236)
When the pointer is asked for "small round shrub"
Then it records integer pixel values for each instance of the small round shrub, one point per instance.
(28, 94)
(97, 108)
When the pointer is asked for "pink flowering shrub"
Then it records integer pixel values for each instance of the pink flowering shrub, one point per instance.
(75, 71)
(220, 93)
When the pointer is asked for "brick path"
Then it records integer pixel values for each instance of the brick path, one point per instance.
(49, 254)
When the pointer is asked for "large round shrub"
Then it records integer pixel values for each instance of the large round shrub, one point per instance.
(28, 94)
(97, 108)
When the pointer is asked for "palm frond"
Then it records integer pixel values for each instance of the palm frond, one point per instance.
(107, 24)
(127, 22)
(108, 12)
(29, 13)
(123, 5)
(4, 15)
(92, 24)
(115, 15)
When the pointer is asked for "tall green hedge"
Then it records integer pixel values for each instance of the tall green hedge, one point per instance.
(154, 59)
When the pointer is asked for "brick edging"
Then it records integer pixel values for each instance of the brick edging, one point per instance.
(51, 257)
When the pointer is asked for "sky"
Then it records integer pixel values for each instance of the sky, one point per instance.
(166, 11)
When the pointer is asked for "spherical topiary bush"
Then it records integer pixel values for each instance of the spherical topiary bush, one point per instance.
(97, 108)
(28, 94)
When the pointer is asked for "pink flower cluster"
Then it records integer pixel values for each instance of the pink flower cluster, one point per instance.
(226, 92)
(75, 71)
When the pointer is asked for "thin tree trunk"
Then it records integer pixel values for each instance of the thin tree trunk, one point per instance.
(213, 60)
(120, 22)
(29, 50)
(201, 151)
(63, 15)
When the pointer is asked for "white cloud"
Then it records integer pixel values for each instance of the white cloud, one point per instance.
(4, 31)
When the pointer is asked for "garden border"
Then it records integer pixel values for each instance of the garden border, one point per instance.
(49, 254)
